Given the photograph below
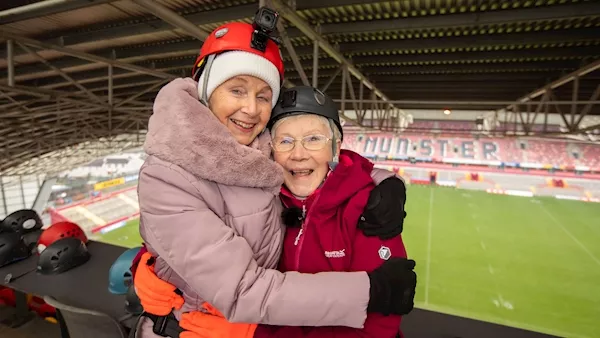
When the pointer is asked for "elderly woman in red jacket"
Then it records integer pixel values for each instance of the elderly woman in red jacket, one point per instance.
(326, 193)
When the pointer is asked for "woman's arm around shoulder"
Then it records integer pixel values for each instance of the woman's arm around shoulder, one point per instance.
(369, 253)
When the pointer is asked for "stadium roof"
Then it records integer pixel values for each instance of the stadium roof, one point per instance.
(77, 72)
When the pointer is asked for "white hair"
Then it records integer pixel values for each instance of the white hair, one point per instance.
(332, 133)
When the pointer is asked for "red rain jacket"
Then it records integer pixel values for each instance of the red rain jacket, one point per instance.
(330, 241)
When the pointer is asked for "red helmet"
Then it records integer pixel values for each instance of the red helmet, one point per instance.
(235, 36)
(57, 231)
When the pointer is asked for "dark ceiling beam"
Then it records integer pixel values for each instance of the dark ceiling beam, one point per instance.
(445, 96)
(191, 47)
(455, 76)
(45, 8)
(477, 19)
(469, 41)
(455, 90)
(462, 57)
(106, 61)
(176, 66)
(433, 89)
(115, 31)
(575, 52)
(522, 66)
(497, 55)
(122, 86)
(142, 80)
(416, 80)
(128, 55)
(484, 77)
(173, 18)
(171, 66)
(590, 68)
(492, 100)
(433, 86)
(319, 4)
(124, 29)
(508, 93)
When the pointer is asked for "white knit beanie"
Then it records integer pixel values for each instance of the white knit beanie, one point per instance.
(234, 63)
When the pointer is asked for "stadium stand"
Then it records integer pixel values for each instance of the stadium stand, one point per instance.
(459, 160)
(449, 148)
(484, 151)
(97, 213)
(461, 127)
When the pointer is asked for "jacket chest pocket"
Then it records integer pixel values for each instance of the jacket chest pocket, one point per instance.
(335, 245)
(322, 252)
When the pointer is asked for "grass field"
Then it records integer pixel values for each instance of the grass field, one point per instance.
(127, 235)
(532, 263)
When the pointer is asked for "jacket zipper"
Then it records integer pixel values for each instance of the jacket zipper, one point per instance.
(300, 237)
(302, 227)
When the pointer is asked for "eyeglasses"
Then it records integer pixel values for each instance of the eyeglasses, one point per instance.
(310, 142)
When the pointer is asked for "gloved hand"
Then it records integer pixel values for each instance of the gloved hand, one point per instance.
(393, 287)
(156, 296)
(384, 213)
(212, 324)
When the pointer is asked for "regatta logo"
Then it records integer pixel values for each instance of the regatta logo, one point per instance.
(335, 254)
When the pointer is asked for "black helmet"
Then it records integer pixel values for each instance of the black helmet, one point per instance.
(133, 304)
(22, 221)
(62, 255)
(12, 248)
(305, 100)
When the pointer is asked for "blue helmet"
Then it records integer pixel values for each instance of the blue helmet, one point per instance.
(119, 275)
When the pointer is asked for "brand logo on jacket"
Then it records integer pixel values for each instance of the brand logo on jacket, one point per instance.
(335, 254)
(385, 253)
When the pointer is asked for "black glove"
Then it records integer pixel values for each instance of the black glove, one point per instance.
(384, 214)
(393, 287)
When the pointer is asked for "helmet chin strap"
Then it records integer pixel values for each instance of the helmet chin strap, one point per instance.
(209, 61)
(336, 156)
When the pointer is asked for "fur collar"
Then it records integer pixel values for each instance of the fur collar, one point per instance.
(184, 132)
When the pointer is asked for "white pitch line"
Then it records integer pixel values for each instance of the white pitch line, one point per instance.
(557, 222)
(491, 270)
(482, 245)
(429, 225)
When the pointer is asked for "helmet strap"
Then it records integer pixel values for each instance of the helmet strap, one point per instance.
(336, 157)
(209, 61)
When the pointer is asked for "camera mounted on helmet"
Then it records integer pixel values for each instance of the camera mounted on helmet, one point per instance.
(265, 22)
(254, 51)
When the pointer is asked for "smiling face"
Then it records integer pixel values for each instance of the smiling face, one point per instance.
(305, 169)
(243, 105)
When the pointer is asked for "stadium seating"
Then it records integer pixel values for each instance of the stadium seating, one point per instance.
(454, 144)
(101, 212)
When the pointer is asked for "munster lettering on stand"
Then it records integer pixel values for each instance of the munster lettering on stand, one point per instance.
(401, 146)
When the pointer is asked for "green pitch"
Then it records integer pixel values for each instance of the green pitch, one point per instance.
(532, 263)
(127, 235)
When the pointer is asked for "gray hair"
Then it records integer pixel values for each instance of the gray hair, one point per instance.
(332, 133)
